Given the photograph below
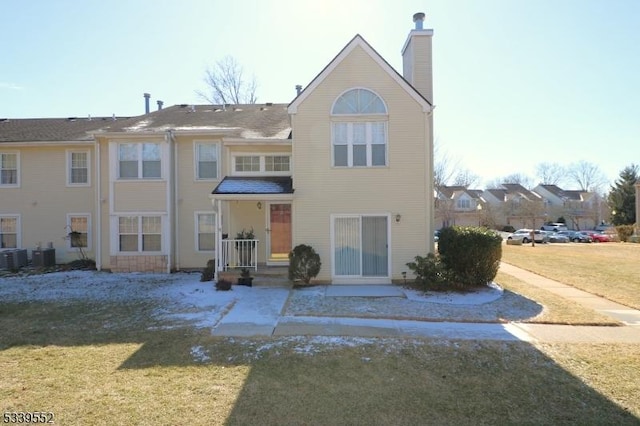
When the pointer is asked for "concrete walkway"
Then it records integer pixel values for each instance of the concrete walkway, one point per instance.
(272, 322)
(624, 314)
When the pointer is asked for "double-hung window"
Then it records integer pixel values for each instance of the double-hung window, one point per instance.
(205, 230)
(139, 161)
(359, 144)
(78, 168)
(359, 130)
(8, 232)
(140, 233)
(8, 169)
(206, 161)
(464, 204)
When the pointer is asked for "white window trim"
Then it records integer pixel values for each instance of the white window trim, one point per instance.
(89, 239)
(163, 161)
(18, 227)
(18, 168)
(196, 161)
(369, 144)
(115, 234)
(373, 114)
(262, 156)
(197, 234)
(69, 162)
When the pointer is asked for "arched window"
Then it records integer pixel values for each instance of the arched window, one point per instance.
(359, 141)
(359, 101)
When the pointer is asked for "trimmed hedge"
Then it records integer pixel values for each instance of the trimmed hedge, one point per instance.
(625, 232)
(304, 264)
(472, 254)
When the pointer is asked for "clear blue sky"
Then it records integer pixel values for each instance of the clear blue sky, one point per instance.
(515, 82)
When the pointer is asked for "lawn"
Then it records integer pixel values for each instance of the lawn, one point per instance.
(611, 270)
(77, 360)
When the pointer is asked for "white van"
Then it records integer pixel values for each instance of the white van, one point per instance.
(555, 227)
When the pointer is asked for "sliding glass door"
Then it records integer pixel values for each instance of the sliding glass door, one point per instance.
(361, 246)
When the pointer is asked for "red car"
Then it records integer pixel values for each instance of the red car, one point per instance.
(597, 237)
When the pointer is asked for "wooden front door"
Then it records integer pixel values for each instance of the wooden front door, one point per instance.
(280, 235)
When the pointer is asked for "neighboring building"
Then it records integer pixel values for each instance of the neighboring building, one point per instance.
(514, 205)
(581, 209)
(457, 205)
(346, 168)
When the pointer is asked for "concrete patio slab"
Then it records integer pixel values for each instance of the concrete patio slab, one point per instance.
(364, 291)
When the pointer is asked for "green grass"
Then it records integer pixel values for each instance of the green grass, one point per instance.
(119, 364)
(610, 270)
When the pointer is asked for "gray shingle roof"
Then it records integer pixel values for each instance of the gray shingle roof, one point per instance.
(250, 121)
(254, 185)
(53, 129)
(255, 121)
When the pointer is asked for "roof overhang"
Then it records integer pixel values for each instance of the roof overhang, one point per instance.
(254, 188)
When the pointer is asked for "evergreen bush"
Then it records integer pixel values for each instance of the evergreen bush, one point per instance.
(471, 254)
(304, 264)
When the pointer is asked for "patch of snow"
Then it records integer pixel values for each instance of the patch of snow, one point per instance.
(199, 354)
(252, 134)
(142, 124)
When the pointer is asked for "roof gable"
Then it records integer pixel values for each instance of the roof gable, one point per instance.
(358, 41)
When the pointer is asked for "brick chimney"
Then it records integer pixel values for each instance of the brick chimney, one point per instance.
(417, 58)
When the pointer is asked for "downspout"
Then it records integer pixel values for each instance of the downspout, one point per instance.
(98, 205)
(176, 228)
(168, 137)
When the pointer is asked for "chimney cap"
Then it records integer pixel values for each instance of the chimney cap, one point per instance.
(418, 16)
(146, 95)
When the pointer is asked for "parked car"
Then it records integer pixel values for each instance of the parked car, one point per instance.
(525, 236)
(554, 237)
(554, 227)
(597, 237)
(576, 236)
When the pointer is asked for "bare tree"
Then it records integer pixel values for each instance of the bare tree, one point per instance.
(518, 178)
(587, 176)
(226, 84)
(551, 173)
(466, 178)
(443, 166)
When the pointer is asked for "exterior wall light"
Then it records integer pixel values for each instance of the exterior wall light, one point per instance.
(259, 205)
(398, 217)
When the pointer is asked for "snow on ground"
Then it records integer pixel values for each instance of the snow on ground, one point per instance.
(182, 297)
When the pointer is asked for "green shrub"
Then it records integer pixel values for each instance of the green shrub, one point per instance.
(471, 254)
(624, 232)
(208, 272)
(430, 272)
(304, 263)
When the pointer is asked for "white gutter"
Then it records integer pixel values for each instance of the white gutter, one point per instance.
(98, 206)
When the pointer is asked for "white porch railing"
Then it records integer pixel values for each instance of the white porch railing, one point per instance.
(239, 254)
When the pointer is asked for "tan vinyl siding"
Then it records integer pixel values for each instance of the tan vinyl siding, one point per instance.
(421, 67)
(140, 196)
(43, 200)
(192, 196)
(400, 188)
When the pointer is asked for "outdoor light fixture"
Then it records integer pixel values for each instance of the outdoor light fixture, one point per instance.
(398, 217)
(259, 205)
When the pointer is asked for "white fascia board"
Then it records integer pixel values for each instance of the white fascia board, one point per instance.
(417, 33)
(241, 141)
(359, 41)
(47, 143)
